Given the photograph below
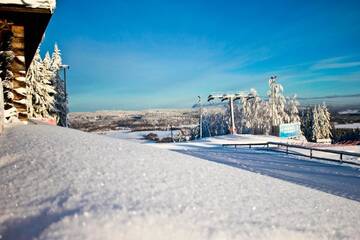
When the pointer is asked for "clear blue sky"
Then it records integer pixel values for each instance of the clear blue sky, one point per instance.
(162, 54)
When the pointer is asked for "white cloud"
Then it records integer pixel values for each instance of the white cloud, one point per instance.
(335, 63)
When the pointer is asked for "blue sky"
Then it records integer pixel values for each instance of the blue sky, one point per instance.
(162, 54)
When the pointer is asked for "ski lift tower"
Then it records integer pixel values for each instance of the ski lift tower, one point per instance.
(231, 98)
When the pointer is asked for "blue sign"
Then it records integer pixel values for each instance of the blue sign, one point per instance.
(289, 130)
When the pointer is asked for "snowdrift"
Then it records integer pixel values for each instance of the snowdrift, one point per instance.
(58, 183)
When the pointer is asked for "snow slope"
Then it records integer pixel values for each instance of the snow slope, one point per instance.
(59, 183)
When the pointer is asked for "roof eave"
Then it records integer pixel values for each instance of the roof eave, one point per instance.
(17, 8)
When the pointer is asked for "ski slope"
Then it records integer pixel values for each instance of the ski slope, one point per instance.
(59, 183)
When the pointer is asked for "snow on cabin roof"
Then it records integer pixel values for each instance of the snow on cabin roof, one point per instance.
(43, 4)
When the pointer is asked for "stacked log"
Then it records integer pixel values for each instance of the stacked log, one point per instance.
(13, 71)
(19, 70)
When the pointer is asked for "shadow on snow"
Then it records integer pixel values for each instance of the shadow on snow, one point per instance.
(334, 178)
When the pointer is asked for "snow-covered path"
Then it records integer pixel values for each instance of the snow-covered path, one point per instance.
(339, 179)
(59, 183)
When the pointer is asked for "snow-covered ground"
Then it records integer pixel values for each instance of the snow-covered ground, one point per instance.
(240, 138)
(274, 164)
(60, 183)
(348, 126)
(137, 135)
(349, 111)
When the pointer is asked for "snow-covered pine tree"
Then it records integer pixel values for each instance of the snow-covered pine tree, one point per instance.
(61, 105)
(220, 123)
(253, 115)
(265, 118)
(256, 113)
(292, 109)
(49, 75)
(324, 119)
(215, 122)
(277, 103)
(206, 123)
(237, 116)
(306, 123)
(246, 113)
(40, 91)
(6, 59)
(316, 128)
(251, 110)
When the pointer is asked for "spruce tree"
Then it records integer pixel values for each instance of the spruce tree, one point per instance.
(324, 119)
(277, 103)
(265, 118)
(40, 90)
(61, 107)
(316, 128)
(306, 123)
(292, 109)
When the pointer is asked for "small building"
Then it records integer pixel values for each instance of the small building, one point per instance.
(22, 26)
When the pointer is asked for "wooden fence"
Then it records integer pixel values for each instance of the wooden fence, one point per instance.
(287, 147)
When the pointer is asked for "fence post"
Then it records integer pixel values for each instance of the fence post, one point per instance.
(341, 157)
(310, 152)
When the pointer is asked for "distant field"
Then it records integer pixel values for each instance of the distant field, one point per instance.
(345, 122)
(134, 120)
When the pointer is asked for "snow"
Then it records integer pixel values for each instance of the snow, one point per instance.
(349, 111)
(47, 4)
(348, 126)
(335, 178)
(137, 135)
(59, 183)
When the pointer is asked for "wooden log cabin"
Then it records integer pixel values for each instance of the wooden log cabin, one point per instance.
(22, 26)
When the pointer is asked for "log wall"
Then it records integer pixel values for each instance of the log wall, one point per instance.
(18, 68)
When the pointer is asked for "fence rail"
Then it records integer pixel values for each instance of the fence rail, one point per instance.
(267, 145)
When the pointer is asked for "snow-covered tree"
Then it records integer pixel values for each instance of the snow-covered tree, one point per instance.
(315, 123)
(206, 124)
(324, 121)
(6, 59)
(252, 119)
(238, 117)
(277, 103)
(257, 116)
(215, 122)
(306, 123)
(246, 113)
(61, 107)
(292, 109)
(40, 90)
(265, 116)
(316, 128)
(256, 113)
